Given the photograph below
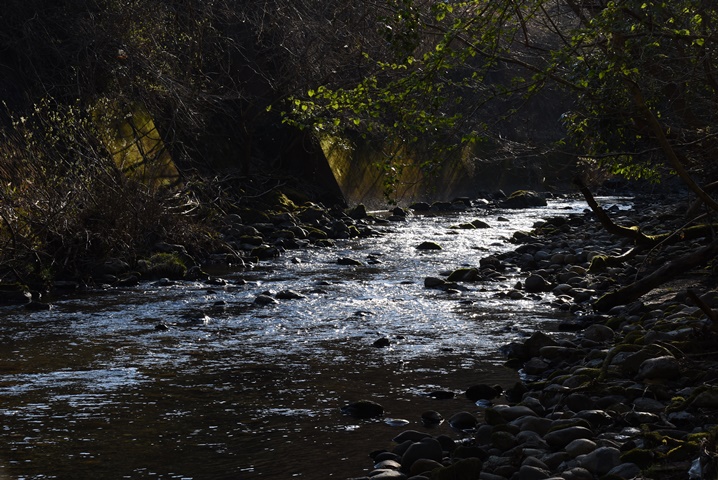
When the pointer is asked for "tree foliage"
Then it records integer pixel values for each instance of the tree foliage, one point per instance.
(631, 83)
(640, 76)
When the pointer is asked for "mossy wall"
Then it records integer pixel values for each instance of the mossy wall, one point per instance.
(136, 146)
(362, 171)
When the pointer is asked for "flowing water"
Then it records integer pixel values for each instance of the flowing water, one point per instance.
(91, 389)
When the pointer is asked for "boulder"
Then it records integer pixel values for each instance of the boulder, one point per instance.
(464, 275)
(562, 437)
(427, 448)
(660, 368)
(536, 283)
(263, 299)
(428, 246)
(349, 262)
(600, 461)
(523, 199)
(413, 435)
(483, 391)
(358, 212)
(463, 421)
(289, 295)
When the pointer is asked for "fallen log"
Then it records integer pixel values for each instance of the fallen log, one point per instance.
(634, 233)
(670, 270)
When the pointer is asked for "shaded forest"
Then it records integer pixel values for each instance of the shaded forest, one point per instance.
(130, 123)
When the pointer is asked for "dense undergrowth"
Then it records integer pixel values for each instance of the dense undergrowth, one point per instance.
(67, 206)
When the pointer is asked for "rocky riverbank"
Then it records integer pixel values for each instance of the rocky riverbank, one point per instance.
(627, 393)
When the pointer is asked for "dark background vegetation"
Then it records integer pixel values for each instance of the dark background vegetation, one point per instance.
(240, 91)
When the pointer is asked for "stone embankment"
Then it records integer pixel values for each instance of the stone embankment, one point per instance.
(623, 394)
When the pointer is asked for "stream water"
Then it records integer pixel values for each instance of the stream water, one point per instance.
(91, 389)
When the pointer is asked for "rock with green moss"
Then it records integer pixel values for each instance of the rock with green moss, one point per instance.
(524, 199)
(164, 265)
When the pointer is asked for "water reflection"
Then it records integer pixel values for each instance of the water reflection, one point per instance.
(235, 390)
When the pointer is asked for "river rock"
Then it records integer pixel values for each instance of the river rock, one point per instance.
(536, 283)
(562, 437)
(600, 461)
(492, 262)
(483, 391)
(434, 282)
(529, 472)
(464, 275)
(577, 473)
(289, 295)
(463, 421)
(535, 424)
(660, 368)
(349, 261)
(423, 465)
(420, 207)
(427, 448)
(580, 446)
(263, 299)
(536, 341)
(428, 246)
(363, 409)
(509, 413)
(431, 418)
(535, 366)
(468, 468)
(480, 224)
(387, 474)
(412, 435)
(599, 333)
(625, 470)
(359, 212)
(523, 199)
(528, 439)
(708, 398)
(503, 440)
(388, 464)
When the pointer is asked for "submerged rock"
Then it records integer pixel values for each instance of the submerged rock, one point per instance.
(363, 409)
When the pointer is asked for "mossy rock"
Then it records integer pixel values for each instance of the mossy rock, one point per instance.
(524, 199)
(428, 246)
(683, 452)
(285, 202)
(599, 263)
(316, 233)
(640, 456)
(165, 265)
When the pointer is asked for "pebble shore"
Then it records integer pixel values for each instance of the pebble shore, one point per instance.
(630, 393)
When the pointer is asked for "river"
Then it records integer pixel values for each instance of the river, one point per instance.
(91, 389)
